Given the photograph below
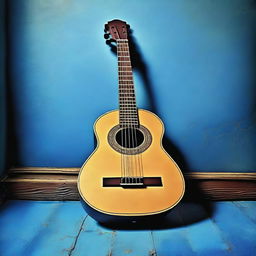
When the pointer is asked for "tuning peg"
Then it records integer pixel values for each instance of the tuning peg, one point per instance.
(106, 35)
(106, 28)
(110, 41)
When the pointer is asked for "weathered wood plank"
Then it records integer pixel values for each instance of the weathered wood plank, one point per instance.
(20, 223)
(226, 189)
(237, 229)
(190, 175)
(46, 170)
(61, 184)
(133, 243)
(94, 240)
(40, 228)
(42, 187)
(206, 239)
(172, 242)
(248, 208)
(60, 228)
(60, 231)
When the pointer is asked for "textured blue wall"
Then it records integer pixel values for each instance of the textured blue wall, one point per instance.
(2, 89)
(200, 59)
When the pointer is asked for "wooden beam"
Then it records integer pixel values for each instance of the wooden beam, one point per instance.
(50, 183)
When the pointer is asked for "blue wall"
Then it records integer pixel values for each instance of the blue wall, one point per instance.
(2, 89)
(200, 64)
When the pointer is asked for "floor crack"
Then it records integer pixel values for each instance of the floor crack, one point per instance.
(153, 251)
(77, 236)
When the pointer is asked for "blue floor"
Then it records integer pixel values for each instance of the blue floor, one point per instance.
(62, 228)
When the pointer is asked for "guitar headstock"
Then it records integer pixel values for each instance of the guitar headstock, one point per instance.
(117, 29)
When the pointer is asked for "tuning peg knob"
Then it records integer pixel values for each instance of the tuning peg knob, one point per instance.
(106, 36)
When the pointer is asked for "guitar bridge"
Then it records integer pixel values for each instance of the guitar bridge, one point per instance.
(132, 182)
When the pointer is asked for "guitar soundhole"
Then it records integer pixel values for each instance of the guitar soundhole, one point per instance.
(129, 137)
(129, 140)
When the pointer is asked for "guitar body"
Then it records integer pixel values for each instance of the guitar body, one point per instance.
(106, 195)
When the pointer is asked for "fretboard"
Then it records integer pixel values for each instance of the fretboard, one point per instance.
(128, 115)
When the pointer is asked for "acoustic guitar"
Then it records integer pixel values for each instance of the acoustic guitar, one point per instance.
(129, 175)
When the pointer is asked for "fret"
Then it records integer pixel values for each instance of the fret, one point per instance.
(123, 115)
(128, 120)
(132, 101)
(125, 73)
(128, 123)
(134, 110)
(127, 95)
(123, 57)
(125, 69)
(127, 92)
(130, 111)
(129, 106)
(126, 87)
(123, 54)
(124, 84)
(126, 103)
(123, 63)
(123, 98)
(128, 115)
(125, 106)
(122, 106)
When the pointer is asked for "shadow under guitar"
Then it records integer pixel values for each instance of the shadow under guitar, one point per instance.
(193, 207)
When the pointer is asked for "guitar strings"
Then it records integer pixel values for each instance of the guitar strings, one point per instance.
(129, 118)
(135, 158)
(131, 165)
(121, 119)
(124, 128)
(127, 109)
(124, 116)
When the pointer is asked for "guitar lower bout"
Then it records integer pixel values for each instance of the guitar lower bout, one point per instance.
(129, 175)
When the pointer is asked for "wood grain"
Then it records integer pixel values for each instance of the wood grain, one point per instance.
(44, 183)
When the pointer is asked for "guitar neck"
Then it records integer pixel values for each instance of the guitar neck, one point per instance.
(128, 115)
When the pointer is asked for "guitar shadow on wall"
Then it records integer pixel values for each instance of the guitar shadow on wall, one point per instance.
(193, 207)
